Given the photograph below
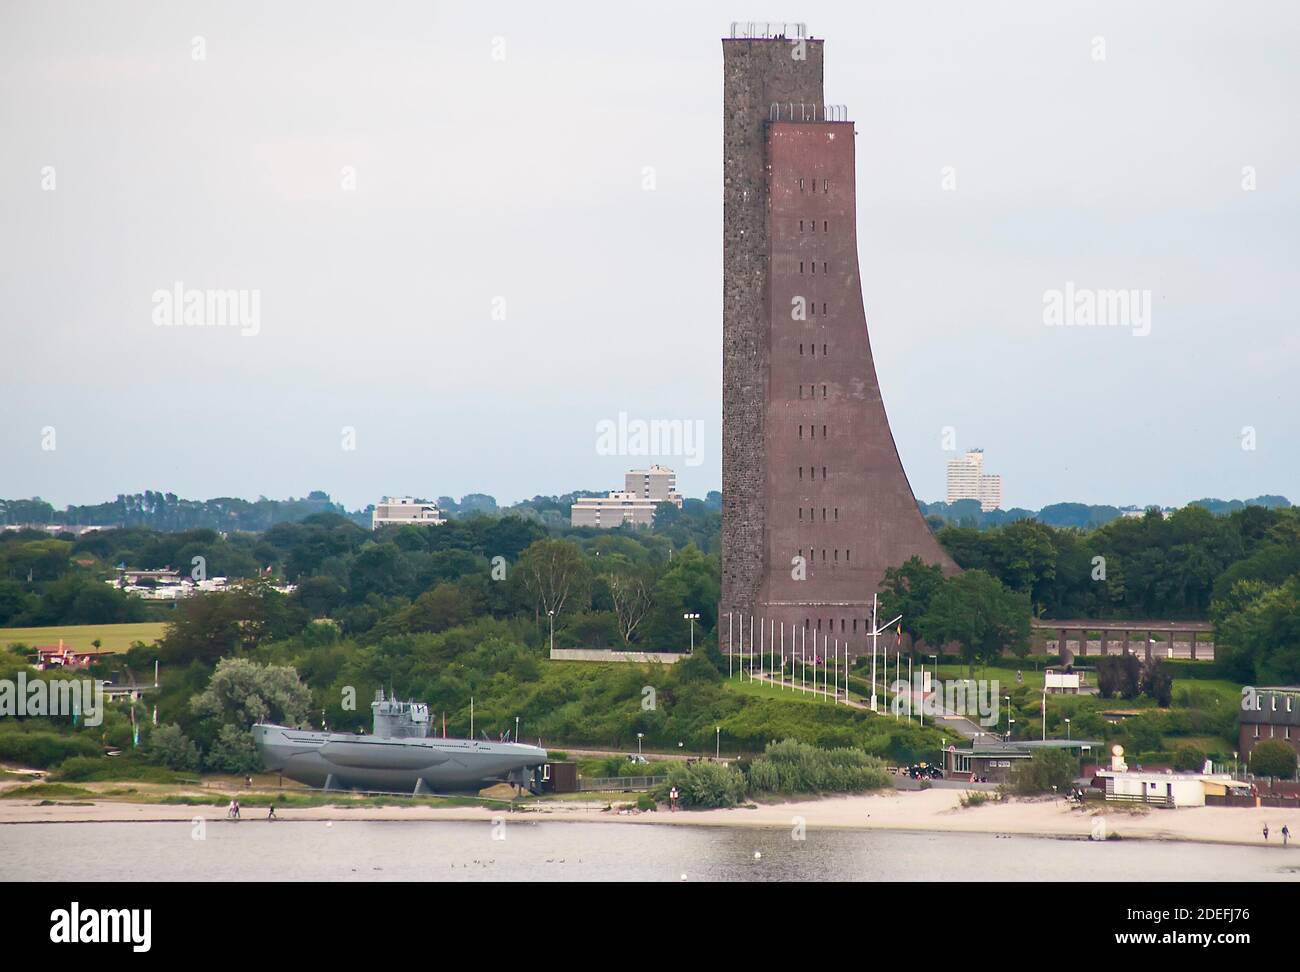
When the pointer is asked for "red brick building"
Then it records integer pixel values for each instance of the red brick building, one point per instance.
(816, 505)
(1272, 713)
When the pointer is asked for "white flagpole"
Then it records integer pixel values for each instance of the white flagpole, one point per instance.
(803, 661)
(751, 647)
(909, 690)
(874, 637)
(783, 656)
(836, 670)
(730, 656)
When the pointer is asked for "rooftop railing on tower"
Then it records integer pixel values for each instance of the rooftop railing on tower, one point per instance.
(800, 112)
(766, 30)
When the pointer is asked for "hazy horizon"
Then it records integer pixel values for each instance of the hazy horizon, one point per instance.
(381, 177)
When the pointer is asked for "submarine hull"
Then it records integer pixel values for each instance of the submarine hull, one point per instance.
(395, 765)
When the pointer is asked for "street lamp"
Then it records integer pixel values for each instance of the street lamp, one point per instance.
(717, 749)
(692, 618)
(1067, 729)
(551, 615)
(1011, 727)
(638, 743)
(1044, 711)
(1007, 700)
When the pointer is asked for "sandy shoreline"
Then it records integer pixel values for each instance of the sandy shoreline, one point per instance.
(926, 810)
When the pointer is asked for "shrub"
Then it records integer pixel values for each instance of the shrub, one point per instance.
(234, 752)
(794, 767)
(646, 802)
(1045, 770)
(1272, 757)
(170, 747)
(704, 785)
(91, 769)
(44, 749)
(1188, 758)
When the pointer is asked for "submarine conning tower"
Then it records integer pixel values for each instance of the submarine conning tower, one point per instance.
(394, 719)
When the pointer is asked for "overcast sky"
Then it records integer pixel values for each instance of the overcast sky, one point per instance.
(380, 173)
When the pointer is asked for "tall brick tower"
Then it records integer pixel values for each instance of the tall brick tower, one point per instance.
(810, 472)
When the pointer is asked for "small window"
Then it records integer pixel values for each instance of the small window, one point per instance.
(824, 225)
(823, 472)
(801, 266)
(801, 225)
(823, 431)
(801, 185)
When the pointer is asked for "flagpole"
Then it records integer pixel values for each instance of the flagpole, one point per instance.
(783, 656)
(803, 661)
(874, 637)
(730, 656)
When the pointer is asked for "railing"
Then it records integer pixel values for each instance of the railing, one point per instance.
(624, 783)
(766, 30)
(1151, 800)
(790, 111)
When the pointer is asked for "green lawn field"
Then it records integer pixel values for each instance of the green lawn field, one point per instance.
(113, 637)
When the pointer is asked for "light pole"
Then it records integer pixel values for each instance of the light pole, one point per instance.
(551, 615)
(638, 743)
(516, 728)
(1007, 700)
(692, 618)
(1044, 711)
(717, 747)
(1067, 730)
(1011, 728)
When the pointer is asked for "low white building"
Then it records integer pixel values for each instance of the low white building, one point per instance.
(405, 511)
(1164, 789)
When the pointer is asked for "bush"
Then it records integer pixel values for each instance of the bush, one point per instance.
(1273, 757)
(170, 747)
(1046, 770)
(646, 802)
(794, 767)
(1188, 758)
(234, 752)
(704, 785)
(92, 769)
(44, 749)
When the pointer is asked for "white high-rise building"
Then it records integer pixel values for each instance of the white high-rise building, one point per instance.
(967, 480)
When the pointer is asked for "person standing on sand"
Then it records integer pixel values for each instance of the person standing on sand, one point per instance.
(1265, 832)
(1286, 834)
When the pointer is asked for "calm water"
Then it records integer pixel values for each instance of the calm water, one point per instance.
(549, 851)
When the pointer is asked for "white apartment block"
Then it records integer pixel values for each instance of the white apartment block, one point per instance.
(644, 490)
(405, 510)
(657, 483)
(967, 480)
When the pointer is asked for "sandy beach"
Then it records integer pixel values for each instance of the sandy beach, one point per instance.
(926, 810)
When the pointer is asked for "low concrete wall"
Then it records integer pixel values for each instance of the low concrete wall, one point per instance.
(608, 655)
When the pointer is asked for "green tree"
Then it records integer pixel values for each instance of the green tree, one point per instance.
(234, 752)
(242, 692)
(169, 746)
(1047, 771)
(975, 610)
(908, 590)
(553, 575)
(1273, 758)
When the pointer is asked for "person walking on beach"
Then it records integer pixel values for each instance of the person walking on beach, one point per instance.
(1286, 834)
(230, 811)
(1266, 832)
(672, 800)
(270, 815)
(236, 802)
